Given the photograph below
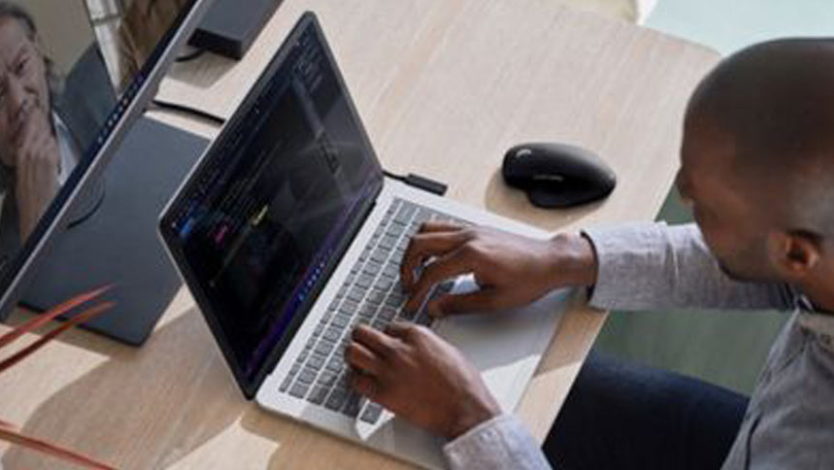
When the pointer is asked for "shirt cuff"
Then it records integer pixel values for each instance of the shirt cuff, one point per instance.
(624, 253)
(502, 442)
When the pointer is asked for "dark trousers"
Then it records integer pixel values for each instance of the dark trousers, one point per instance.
(622, 416)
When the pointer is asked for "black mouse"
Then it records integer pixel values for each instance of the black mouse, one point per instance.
(558, 175)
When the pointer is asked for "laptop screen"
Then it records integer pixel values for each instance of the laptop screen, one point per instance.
(264, 217)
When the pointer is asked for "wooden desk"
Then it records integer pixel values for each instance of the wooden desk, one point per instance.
(444, 87)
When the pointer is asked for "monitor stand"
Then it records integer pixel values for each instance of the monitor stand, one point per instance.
(112, 238)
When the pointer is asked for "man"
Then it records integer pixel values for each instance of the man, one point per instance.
(757, 168)
(37, 151)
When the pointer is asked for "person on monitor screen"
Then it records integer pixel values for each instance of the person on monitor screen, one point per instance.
(37, 151)
(757, 168)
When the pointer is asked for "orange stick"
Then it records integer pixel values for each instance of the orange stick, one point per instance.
(50, 315)
(80, 318)
(14, 437)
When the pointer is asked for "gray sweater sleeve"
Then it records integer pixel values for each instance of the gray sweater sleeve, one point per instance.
(652, 265)
(500, 443)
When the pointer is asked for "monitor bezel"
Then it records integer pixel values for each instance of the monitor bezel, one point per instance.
(249, 385)
(129, 107)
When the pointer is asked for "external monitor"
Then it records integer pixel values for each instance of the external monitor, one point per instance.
(75, 79)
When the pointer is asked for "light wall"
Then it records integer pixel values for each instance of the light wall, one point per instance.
(64, 27)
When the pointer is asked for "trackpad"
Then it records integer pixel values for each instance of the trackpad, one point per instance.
(505, 346)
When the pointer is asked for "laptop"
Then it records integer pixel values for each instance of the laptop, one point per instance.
(288, 235)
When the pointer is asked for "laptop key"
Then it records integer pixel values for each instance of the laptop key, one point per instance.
(324, 348)
(343, 382)
(286, 383)
(336, 400)
(375, 297)
(335, 364)
(333, 334)
(379, 256)
(423, 215)
(384, 283)
(387, 313)
(316, 362)
(388, 242)
(391, 271)
(307, 376)
(367, 310)
(298, 390)
(404, 214)
(372, 268)
(379, 229)
(395, 300)
(353, 405)
(318, 395)
(395, 230)
(364, 281)
(310, 342)
(327, 378)
(327, 316)
(341, 321)
(411, 231)
(357, 293)
(398, 287)
(349, 307)
(372, 413)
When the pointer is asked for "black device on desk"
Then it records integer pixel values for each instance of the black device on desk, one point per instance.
(88, 219)
(558, 175)
(231, 26)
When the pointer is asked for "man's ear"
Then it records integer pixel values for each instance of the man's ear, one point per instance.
(795, 253)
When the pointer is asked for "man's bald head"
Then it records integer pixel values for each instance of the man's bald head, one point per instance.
(775, 102)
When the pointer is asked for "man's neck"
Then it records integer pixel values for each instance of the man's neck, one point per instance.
(820, 293)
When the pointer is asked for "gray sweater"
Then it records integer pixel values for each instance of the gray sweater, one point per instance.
(790, 419)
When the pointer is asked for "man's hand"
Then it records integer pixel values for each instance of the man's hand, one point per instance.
(415, 374)
(37, 163)
(510, 270)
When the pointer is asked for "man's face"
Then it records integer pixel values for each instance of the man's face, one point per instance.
(24, 90)
(734, 226)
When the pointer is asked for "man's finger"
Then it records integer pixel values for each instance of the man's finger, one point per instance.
(423, 246)
(366, 386)
(377, 342)
(400, 329)
(445, 267)
(455, 304)
(434, 226)
(360, 357)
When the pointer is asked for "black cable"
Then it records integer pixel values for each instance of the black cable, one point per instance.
(420, 182)
(193, 55)
(181, 108)
(393, 176)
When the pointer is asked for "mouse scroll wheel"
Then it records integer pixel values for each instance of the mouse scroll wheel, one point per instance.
(551, 178)
(523, 153)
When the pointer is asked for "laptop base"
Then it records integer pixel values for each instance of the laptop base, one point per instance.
(118, 243)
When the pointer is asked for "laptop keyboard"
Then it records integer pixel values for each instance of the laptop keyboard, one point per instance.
(371, 295)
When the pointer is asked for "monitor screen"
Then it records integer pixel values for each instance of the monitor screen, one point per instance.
(70, 71)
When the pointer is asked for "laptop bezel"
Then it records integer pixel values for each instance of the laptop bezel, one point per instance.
(248, 386)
